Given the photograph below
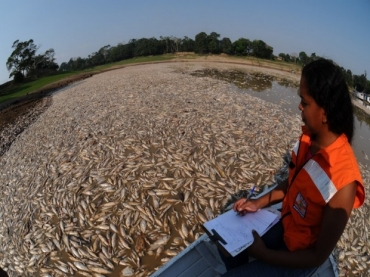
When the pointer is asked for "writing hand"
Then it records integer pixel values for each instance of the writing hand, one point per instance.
(244, 206)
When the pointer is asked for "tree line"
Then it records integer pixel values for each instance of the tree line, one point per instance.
(360, 81)
(23, 62)
(203, 44)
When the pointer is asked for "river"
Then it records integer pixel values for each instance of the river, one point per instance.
(285, 95)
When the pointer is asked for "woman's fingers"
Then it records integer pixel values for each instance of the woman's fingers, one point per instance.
(248, 206)
(238, 204)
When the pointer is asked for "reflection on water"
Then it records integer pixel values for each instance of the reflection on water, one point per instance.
(362, 116)
(255, 81)
(284, 93)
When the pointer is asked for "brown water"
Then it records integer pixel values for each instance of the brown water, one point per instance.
(284, 94)
(287, 98)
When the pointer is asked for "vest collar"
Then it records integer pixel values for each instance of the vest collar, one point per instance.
(338, 143)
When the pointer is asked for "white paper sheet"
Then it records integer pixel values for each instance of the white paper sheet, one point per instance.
(237, 230)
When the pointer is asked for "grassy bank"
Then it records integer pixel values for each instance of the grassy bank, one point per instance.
(16, 91)
(22, 89)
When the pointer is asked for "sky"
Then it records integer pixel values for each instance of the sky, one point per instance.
(334, 29)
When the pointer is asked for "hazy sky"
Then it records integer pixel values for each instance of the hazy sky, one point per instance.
(335, 29)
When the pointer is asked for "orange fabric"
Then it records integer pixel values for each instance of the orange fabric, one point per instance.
(312, 183)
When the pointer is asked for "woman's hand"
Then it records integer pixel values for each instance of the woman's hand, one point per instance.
(334, 219)
(258, 247)
(242, 206)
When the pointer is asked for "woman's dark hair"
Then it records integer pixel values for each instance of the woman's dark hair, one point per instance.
(326, 84)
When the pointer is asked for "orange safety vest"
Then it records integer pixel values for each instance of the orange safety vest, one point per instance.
(312, 183)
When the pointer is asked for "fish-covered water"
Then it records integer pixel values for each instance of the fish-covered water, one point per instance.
(284, 93)
(118, 174)
(288, 99)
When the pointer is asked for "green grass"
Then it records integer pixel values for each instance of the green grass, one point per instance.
(23, 89)
(29, 87)
(150, 59)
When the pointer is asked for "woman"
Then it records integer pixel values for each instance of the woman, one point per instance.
(323, 186)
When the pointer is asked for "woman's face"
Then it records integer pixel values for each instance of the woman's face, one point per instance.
(313, 116)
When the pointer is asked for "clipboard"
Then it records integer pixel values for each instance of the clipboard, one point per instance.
(233, 234)
(217, 239)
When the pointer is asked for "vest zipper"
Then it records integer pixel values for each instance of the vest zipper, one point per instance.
(295, 174)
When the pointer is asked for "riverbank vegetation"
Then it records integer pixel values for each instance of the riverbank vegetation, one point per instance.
(31, 71)
(11, 90)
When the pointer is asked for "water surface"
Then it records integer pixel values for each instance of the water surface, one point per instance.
(286, 97)
(284, 93)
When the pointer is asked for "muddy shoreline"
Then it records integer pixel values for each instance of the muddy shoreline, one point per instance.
(17, 114)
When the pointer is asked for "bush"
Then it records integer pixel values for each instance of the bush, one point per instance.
(18, 77)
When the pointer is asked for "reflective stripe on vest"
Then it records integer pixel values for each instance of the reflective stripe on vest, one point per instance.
(295, 148)
(321, 180)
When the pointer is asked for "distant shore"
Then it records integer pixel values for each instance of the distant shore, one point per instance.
(357, 103)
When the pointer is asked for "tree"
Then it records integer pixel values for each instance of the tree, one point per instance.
(242, 47)
(71, 64)
(105, 52)
(63, 67)
(187, 44)
(226, 46)
(147, 47)
(201, 43)
(285, 57)
(214, 43)
(261, 49)
(367, 89)
(18, 77)
(304, 59)
(24, 62)
(365, 81)
(43, 64)
(293, 56)
(166, 45)
(313, 57)
(22, 57)
(360, 82)
(120, 52)
(80, 63)
(97, 58)
(348, 77)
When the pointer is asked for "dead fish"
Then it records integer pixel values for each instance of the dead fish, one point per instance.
(99, 270)
(140, 243)
(127, 271)
(81, 266)
(159, 242)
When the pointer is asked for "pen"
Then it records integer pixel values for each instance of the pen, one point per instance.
(248, 197)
